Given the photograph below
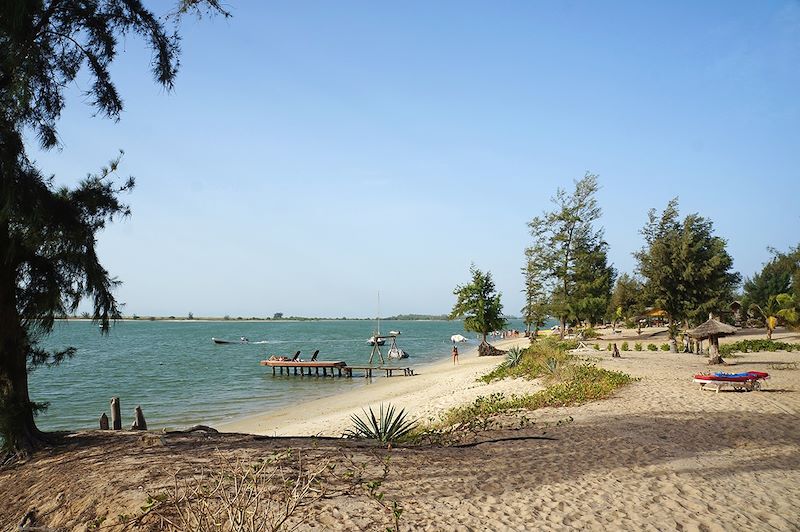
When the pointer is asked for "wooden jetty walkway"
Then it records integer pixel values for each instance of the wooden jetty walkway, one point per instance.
(337, 368)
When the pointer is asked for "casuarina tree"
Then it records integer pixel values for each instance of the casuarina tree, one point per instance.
(572, 254)
(687, 269)
(48, 258)
(479, 304)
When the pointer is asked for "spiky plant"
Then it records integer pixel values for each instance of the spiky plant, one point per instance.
(513, 357)
(551, 367)
(389, 426)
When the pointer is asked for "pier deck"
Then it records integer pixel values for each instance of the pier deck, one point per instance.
(337, 368)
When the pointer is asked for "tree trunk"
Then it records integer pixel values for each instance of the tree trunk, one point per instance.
(16, 410)
(563, 328)
(713, 352)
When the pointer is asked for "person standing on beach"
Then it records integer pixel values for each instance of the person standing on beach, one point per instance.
(455, 354)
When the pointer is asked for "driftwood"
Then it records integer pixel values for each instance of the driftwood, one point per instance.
(194, 428)
(487, 350)
(104, 422)
(28, 520)
(116, 417)
(138, 420)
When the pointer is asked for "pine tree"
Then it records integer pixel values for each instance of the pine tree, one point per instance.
(572, 253)
(478, 304)
(687, 270)
(48, 258)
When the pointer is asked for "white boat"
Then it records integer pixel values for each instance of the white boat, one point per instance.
(396, 353)
(241, 340)
(458, 338)
(373, 341)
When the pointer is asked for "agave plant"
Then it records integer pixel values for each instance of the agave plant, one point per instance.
(390, 425)
(513, 357)
(551, 367)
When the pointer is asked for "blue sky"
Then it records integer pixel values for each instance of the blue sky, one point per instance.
(313, 153)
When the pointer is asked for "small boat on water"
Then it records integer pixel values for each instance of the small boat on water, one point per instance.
(376, 341)
(242, 340)
(396, 353)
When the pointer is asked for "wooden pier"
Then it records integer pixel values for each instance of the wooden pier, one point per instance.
(334, 366)
(337, 368)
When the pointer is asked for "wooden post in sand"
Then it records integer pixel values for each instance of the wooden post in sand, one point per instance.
(104, 422)
(116, 417)
(138, 420)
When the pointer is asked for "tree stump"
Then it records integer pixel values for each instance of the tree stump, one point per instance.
(673, 345)
(116, 417)
(487, 350)
(104, 422)
(138, 420)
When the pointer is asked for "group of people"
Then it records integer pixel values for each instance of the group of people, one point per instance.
(511, 333)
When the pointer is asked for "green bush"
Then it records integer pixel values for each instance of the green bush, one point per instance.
(532, 363)
(652, 347)
(665, 347)
(637, 346)
(584, 383)
(589, 333)
(625, 346)
(608, 347)
(597, 347)
(745, 346)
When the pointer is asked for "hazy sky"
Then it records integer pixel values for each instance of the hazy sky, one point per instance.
(313, 153)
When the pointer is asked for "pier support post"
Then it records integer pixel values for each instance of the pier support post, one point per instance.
(138, 419)
(116, 417)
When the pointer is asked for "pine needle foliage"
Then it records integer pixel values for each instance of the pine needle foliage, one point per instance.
(48, 234)
(479, 304)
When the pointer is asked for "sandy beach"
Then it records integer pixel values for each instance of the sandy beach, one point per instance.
(658, 455)
(434, 389)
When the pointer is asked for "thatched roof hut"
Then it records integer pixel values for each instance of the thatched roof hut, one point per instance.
(710, 329)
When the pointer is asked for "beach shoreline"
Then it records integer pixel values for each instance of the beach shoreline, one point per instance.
(432, 390)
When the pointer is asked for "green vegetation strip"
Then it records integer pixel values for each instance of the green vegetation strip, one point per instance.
(571, 383)
(751, 346)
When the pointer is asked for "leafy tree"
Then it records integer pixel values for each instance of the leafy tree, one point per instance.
(626, 298)
(48, 259)
(781, 275)
(687, 270)
(536, 308)
(479, 304)
(573, 254)
(789, 309)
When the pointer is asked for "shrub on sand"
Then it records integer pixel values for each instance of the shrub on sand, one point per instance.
(652, 347)
(625, 346)
(390, 425)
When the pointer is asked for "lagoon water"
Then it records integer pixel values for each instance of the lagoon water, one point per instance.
(181, 378)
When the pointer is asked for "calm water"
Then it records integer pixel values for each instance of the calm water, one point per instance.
(180, 377)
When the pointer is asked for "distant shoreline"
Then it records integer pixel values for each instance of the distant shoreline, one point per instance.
(205, 319)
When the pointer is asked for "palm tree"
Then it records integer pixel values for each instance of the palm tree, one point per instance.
(769, 312)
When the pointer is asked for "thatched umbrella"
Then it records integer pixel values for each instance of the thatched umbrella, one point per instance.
(712, 329)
